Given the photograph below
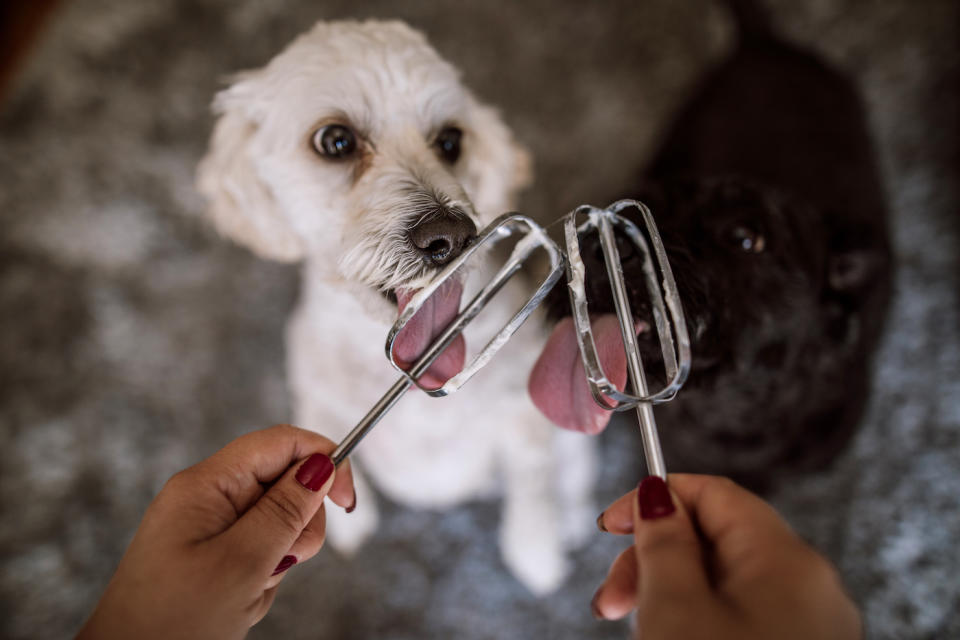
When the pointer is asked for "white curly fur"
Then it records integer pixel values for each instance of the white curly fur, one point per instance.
(347, 222)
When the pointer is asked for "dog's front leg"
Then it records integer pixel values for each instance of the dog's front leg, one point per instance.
(531, 540)
(345, 531)
(314, 392)
(575, 475)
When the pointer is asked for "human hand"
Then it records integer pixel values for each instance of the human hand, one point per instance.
(712, 560)
(214, 544)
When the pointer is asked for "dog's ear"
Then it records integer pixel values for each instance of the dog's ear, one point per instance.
(498, 167)
(241, 203)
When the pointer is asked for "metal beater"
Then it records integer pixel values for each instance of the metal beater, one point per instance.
(503, 227)
(667, 315)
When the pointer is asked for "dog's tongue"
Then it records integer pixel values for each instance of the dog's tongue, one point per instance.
(432, 318)
(558, 382)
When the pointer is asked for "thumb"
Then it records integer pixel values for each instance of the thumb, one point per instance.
(671, 572)
(274, 522)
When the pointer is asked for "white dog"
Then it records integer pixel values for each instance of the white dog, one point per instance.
(358, 152)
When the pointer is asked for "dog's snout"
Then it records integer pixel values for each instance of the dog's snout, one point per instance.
(441, 238)
(591, 252)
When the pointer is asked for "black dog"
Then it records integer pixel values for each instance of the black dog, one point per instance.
(769, 201)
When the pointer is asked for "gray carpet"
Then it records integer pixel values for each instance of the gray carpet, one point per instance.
(134, 342)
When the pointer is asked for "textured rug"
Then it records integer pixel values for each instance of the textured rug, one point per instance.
(134, 342)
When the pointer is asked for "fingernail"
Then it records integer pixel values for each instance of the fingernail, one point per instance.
(353, 503)
(654, 498)
(286, 563)
(600, 523)
(594, 609)
(315, 472)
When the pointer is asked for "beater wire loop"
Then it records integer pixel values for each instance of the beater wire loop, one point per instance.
(665, 304)
(510, 224)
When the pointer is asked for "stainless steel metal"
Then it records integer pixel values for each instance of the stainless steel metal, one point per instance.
(370, 420)
(667, 314)
(503, 227)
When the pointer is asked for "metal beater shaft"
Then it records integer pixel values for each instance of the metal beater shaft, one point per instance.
(638, 381)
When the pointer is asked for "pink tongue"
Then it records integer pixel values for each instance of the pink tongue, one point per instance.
(429, 322)
(558, 383)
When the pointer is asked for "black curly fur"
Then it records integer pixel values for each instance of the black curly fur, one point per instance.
(774, 145)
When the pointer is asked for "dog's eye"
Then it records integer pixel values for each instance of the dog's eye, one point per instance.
(448, 144)
(334, 141)
(746, 239)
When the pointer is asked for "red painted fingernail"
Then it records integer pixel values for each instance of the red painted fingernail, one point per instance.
(600, 524)
(286, 563)
(594, 609)
(315, 472)
(353, 503)
(654, 498)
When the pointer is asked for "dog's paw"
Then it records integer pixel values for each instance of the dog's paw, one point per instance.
(347, 532)
(537, 562)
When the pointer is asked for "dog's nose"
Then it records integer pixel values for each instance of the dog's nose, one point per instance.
(442, 237)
